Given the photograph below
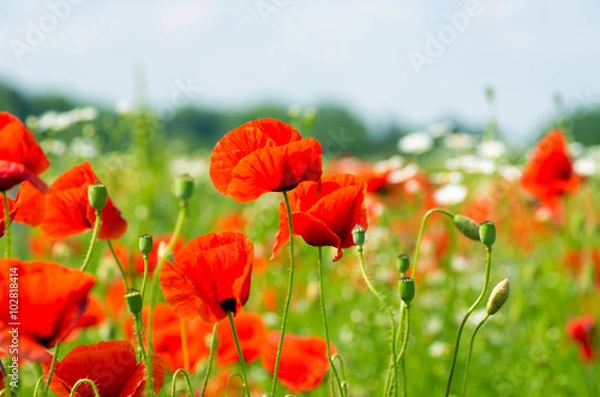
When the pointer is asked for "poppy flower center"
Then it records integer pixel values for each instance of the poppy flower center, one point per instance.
(228, 305)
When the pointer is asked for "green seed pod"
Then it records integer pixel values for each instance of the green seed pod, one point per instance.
(184, 186)
(97, 195)
(406, 289)
(145, 243)
(358, 233)
(133, 297)
(467, 226)
(487, 233)
(403, 263)
(498, 296)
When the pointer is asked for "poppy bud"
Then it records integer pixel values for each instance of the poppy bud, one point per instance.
(467, 226)
(145, 244)
(358, 233)
(184, 186)
(133, 297)
(498, 296)
(406, 289)
(487, 233)
(403, 263)
(97, 195)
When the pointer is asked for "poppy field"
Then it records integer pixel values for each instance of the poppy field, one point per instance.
(263, 266)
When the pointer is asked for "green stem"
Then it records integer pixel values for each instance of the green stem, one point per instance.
(466, 377)
(377, 295)
(488, 263)
(187, 382)
(153, 291)
(7, 222)
(138, 332)
(52, 368)
(343, 372)
(239, 350)
(324, 315)
(184, 344)
(211, 357)
(288, 298)
(119, 265)
(422, 232)
(38, 386)
(145, 279)
(87, 381)
(146, 355)
(229, 379)
(88, 256)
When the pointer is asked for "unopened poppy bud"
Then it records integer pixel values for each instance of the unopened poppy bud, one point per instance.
(487, 233)
(145, 243)
(403, 263)
(184, 186)
(97, 195)
(406, 289)
(133, 297)
(498, 296)
(467, 226)
(358, 233)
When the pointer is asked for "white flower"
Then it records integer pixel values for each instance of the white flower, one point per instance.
(586, 166)
(416, 143)
(439, 349)
(123, 107)
(450, 194)
(83, 148)
(195, 167)
(472, 165)
(441, 178)
(510, 172)
(441, 129)
(576, 149)
(492, 149)
(460, 141)
(403, 174)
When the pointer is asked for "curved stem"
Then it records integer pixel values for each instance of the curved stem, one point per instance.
(324, 316)
(187, 382)
(377, 295)
(288, 298)
(240, 355)
(7, 222)
(119, 264)
(87, 381)
(145, 279)
(343, 372)
(38, 385)
(154, 281)
(229, 379)
(88, 256)
(488, 263)
(466, 377)
(211, 357)
(52, 368)
(184, 344)
(422, 232)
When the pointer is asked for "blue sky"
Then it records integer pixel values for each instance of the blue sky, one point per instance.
(307, 51)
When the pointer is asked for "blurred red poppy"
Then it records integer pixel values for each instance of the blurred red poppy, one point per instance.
(210, 276)
(325, 213)
(252, 333)
(52, 299)
(167, 337)
(263, 156)
(113, 368)
(549, 172)
(115, 300)
(583, 330)
(21, 158)
(28, 207)
(304, 362)
(68, 211)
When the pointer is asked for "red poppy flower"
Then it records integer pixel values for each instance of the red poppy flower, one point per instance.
(325, 213)
(112, 367)
(549, 173)
(210, 276)
(158, 242)
(28, 207)
(52, 298)
(167, 337)
(583, 330)
(303, 364)
(21, 158)
(252, 333)
(263, 156)
(115, 300)
(68, 211)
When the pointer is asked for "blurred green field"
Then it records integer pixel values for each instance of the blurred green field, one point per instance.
(521, 351)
